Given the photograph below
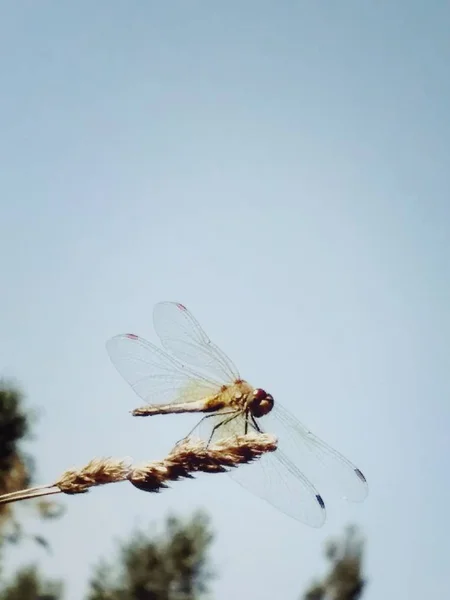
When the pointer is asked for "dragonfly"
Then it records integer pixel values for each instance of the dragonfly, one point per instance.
(191, 374)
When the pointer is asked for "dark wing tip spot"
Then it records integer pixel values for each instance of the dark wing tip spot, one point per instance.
(181, 306)
(320, 501)
(132, 336)
(360, 475)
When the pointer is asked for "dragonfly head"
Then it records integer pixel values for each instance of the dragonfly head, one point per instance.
(260, 403)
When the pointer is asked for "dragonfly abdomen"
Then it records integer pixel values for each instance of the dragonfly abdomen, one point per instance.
(206, 405)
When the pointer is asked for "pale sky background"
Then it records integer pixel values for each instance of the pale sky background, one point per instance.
(283, 169)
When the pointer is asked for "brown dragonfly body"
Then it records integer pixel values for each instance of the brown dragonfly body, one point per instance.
(239, 396)
(190, 374)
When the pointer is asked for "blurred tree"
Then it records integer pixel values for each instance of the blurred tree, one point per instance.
(27, 584)
(16, 471)
(344, 581)
(15, 466)
(172, 566)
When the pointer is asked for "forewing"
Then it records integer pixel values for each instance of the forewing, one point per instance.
(272, 477)
(324, 466)
(181, 334)
(154, 375)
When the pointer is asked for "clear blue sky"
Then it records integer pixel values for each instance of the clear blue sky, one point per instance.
(283, 170)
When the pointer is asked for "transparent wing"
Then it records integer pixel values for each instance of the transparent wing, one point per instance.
(321, 464)
(181, 334)
(273, 477)
(154, 375)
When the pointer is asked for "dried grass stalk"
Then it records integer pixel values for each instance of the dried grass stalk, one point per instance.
(188, 457)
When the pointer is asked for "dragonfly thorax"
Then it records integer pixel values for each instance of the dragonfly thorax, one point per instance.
(260, 403)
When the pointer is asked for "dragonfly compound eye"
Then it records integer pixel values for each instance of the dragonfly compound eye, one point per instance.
(261, 403)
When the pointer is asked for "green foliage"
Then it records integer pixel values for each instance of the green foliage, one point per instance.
(344, 580)
(27, 584)
(172, 566)
(14, 428)
(16, 470)
(16, 466)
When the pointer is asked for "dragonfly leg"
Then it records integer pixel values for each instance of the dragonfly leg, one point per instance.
(257, 427)
(193, 429)
(202, 419)
(224, 422)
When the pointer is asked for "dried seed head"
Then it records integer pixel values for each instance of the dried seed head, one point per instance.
(97, 472)
(190, 456)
